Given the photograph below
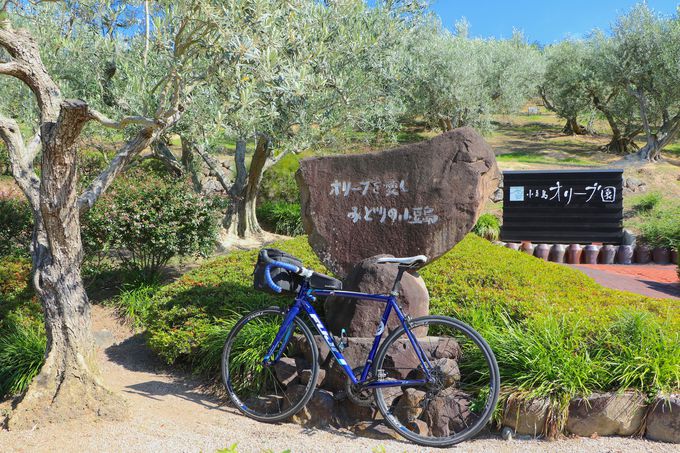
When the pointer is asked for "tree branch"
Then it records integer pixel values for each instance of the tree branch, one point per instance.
(12, 68)
(275, 160)
(123, 122)
(27, 66)
(142, 140)
(22, 165)
(215, 167)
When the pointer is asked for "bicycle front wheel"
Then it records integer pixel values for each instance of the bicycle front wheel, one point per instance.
(269, 393)
(460, 397)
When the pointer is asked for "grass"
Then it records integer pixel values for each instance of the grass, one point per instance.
(673, 149)
(488, 227)
(134, 303)
(281, 217)
(22, 353)
(528, 157)
(645, 203)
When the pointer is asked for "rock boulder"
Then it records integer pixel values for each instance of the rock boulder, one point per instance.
(420, 198)
(606, 414)
(360, 318)
(663, 421)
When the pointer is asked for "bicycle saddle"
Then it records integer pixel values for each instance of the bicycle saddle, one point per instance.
(408, 261)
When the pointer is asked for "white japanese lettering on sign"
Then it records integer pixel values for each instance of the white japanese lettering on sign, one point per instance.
(565, 194)
(381, 214)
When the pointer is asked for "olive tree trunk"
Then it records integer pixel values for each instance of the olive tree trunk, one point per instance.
(241, 219)
(572, 127)
(69, 383)
(655, 141)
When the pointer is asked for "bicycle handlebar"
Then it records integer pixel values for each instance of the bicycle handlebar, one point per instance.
(273, 263)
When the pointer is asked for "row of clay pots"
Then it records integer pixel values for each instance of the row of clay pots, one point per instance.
(594, 254)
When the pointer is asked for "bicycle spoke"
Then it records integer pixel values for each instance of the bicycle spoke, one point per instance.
(461, 390)
(255, 388)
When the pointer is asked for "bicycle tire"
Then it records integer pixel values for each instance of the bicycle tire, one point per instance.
(226, 377)
(388, 412)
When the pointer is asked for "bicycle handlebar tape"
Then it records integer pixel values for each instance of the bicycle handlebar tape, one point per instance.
(268, 278)
(282, 265)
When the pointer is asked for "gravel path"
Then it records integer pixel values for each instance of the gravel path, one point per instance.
(171, 413)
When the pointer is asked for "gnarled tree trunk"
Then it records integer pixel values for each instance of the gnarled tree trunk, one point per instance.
(572, 127)
(655, 141)
(69, 382)
(622, 142)
(241, 218)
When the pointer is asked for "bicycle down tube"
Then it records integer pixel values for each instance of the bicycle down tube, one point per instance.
(302, 302)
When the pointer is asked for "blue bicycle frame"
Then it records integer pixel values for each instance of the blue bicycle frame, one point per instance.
(306, 295)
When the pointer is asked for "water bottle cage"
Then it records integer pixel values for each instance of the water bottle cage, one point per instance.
(344, 342)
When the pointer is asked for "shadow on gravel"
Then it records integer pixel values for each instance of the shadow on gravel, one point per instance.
(134, 355)
(672, 289)
(184, 390)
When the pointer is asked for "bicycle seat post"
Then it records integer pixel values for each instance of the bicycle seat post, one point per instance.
(397, 281)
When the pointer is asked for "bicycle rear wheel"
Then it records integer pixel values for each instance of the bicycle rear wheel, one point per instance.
(269, 393)
(461, 397)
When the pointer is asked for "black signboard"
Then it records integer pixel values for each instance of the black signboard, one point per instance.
(565, 206)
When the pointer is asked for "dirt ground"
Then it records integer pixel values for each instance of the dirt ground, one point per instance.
(172, 412)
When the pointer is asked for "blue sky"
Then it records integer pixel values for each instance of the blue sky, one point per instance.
(544, 21)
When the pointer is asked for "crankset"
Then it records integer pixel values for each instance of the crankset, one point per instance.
(358, 393)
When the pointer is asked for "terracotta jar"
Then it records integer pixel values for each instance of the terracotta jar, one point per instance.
(643, 254)
(542, 251)
(608, 254)
(574, 254)
(557, 253)
(661, 255)
(625, 254)
(590, 254)
(527, 247)
(512, 245)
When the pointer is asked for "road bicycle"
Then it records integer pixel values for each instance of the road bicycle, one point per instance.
(434, 379)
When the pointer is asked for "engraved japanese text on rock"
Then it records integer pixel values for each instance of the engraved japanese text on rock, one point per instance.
(420, 198)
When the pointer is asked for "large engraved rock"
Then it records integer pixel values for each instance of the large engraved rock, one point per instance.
(416, 199)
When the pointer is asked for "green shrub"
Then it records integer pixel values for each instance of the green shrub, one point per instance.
(278, 183)
(149, 220)
(647, 202)
(16, 294)
(556, 332)
(22, 334)
(189, 319)
(661, 227)
(281, 217)
(16, 226)
(22, 353)
(488, 227)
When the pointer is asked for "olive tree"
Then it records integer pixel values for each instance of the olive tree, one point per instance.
(456, 81)
(563, 89)
(282, 74)
(647, 60)
(69, 382)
